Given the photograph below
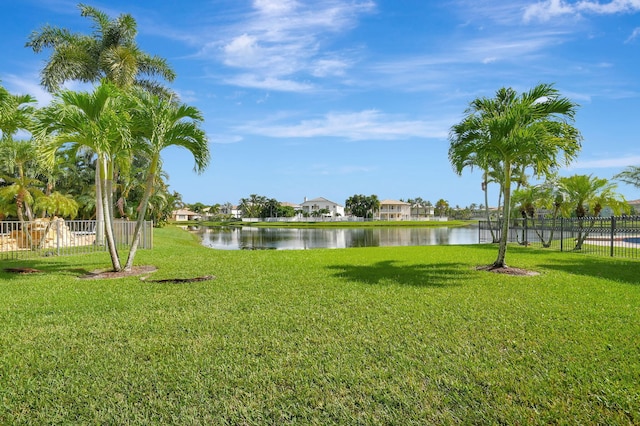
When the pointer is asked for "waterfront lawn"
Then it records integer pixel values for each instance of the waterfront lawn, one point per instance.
(403, 335)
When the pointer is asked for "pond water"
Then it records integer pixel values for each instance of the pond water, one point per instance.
(258, 238)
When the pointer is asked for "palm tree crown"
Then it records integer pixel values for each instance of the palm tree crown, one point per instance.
(110, 52)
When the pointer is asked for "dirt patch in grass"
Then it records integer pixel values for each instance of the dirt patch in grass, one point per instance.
(180, 280)
(507, 270)
(143, 272)
(134, 272)
(23, 270)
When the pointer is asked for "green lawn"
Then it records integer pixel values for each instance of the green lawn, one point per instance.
(406, 335)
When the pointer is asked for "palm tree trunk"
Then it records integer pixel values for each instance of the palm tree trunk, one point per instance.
(108, 220)
(582, 232)
(142, 213)
(506, 212)
(99, 208)
(486, 207)
(25, 226)
(43, 238)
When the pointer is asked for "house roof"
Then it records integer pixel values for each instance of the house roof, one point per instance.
(287, 204)
(321, 200)
(184, 212)
(394, 202)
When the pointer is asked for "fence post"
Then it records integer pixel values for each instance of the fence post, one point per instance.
(561, 234)
(613, 230)
(57, 236)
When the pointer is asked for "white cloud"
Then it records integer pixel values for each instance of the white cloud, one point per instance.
(550, 9)
(187, 96)
(268, 83)
(434, 71)
(612, 7)
(281, 39)
(242, 51)
(509, 48)
(363, 125)
(606, 163)
(275, 7)
(546, 10)
(329, 66)
(27, 85)
(225, 139)
(634, 34)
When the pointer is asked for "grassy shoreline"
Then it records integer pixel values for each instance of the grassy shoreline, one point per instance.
(389, 335)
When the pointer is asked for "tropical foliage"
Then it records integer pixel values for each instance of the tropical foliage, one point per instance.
(511, 133)
(260, 206)
(630, 175)
(102, 146)
(586, 197)
(362, 205)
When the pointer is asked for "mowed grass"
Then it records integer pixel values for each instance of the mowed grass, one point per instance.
(407, 335)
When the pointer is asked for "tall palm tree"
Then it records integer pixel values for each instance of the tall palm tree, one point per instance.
(110, 52)
(374, 204)
(517, 132)
(98, 121)
(159, 123)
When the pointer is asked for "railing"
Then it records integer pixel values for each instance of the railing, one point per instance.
(604, 236)
(57, 237)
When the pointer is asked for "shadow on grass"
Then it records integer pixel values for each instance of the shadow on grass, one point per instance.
(43, 268)
(617, 270)
(389, 272)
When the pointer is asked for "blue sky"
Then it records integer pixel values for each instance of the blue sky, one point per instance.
(331, 98)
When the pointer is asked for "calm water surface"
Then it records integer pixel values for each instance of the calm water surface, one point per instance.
(255, 238)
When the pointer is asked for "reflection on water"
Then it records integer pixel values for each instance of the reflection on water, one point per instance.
(253, 238)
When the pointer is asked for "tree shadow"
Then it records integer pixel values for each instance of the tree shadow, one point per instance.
(621, 270)
(391, 272)
(64, 268)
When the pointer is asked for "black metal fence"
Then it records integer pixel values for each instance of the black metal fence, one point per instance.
(616, 236)
(57, 237)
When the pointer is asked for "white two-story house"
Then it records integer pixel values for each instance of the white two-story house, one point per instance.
(311, 207)
(394, 210)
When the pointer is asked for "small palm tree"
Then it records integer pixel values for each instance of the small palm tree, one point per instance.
(512, 132)
(158, 123)
(586, 196)
(98, 121)
(17, 157)
(16, 113)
